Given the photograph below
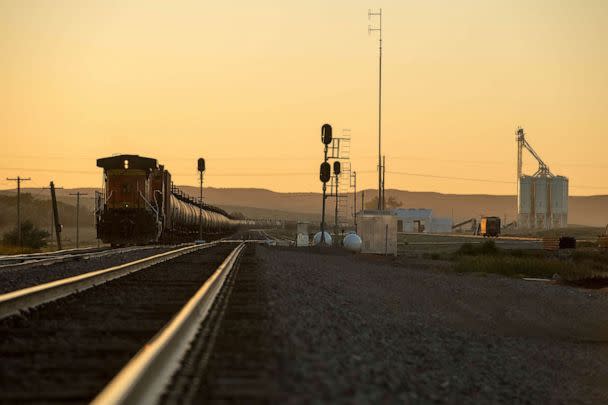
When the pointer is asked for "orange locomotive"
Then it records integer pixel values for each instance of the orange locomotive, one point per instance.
(139, 205)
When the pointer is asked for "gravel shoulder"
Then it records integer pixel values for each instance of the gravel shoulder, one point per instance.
(354, 329)
(16, 278)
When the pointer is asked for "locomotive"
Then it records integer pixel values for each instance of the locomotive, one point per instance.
(140, 205)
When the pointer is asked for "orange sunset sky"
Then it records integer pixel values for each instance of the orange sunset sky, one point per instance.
(248, 84)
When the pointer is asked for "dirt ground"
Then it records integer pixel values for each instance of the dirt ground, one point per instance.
(351, 328)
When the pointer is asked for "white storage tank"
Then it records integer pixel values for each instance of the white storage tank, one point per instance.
(524, 199)
(542, 202)
(352, 242)
(559, 195)
(316, 240)
(540, 196)
(559, 201)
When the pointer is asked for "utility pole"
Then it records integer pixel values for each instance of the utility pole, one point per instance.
(201, 170)
(78, 194)
(370, 29)
(19, 179)
(325, 172)
(362, 200)
(54, 220)
(337, 171)
(383, 190)
(353, 178)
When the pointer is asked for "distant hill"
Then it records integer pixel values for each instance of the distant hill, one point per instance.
(256, 203)
(38, 211)
(591, 211)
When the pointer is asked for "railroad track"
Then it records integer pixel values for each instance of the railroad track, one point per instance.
(61, 256)
(270, 239)
(85, 335)
(28, 256)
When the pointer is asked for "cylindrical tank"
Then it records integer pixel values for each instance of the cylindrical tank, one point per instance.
(352, 242)
(524, 200)
(559, 201)
(540, 195)
(559, 195)
(317, 239)
(184, 215)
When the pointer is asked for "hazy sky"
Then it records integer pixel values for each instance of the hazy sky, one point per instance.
(248, 84)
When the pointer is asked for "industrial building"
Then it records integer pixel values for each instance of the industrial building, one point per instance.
(416, 220)
(542, 198)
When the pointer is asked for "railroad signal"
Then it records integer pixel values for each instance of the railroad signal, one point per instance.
(201, 165)
(325, 172)
(337, 168)
(326, 134)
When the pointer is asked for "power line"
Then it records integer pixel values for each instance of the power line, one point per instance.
(47, 170)
(303, 174)
(312, 158)
(432, 176)
(483, 180)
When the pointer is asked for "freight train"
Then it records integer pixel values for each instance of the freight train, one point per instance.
(140, 205)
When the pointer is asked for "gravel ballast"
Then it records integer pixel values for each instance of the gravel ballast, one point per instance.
(344, 328)
(15, 278)
(69, 349)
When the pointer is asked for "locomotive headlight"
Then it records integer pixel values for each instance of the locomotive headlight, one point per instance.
(126, 164)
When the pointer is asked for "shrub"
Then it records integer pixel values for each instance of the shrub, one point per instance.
(431, 256)
(511, 266)
(487, 248)
(466, 249)
(529, 266)
(31, 236)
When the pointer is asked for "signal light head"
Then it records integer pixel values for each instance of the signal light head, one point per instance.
(326, 134)
(325, 172)
(337, 167)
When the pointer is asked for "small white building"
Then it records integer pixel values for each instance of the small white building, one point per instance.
(413, 219)
(378, 233)
(441, 225)
(421, 220)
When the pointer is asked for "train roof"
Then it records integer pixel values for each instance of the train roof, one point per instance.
(134, 162)
(189, 200)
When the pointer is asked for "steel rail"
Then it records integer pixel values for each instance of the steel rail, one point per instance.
(61, 258)
(35, 256)
(145, 378)
(13, 302)
(73, 253)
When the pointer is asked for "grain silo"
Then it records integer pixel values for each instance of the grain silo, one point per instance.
(542, 198)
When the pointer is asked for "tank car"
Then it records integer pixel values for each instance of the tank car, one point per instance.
(140, 205)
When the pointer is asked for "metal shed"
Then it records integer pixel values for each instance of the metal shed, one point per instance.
(378, 233)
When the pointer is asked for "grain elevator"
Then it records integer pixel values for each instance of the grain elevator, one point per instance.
(542, 198)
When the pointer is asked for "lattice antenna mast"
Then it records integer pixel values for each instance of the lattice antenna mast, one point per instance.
(371, 29)
(543, 169)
